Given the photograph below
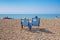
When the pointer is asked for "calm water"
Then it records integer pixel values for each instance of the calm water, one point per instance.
(18, 16)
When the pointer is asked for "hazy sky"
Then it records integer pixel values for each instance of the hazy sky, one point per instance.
(29, 6)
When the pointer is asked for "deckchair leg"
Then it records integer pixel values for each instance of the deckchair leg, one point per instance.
(38, 26)
(30, 28)
(21, 26)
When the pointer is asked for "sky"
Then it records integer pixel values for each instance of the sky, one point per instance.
(30, 6)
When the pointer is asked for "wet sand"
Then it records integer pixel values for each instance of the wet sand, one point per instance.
(10, 29)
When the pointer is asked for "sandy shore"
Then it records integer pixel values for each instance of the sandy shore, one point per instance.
(10, 29)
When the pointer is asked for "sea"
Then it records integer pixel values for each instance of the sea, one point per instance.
(18, 16)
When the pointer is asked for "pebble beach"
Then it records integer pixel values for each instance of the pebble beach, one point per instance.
(10, 29)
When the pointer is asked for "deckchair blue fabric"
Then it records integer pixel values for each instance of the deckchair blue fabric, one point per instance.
(25, 22)
(35, 21)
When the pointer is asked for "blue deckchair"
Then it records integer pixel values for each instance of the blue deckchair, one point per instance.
(25, 22)
(36, 21)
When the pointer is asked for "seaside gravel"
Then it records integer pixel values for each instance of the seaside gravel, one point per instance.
(10, 29)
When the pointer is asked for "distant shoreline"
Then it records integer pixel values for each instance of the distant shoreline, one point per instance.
(18, 16)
